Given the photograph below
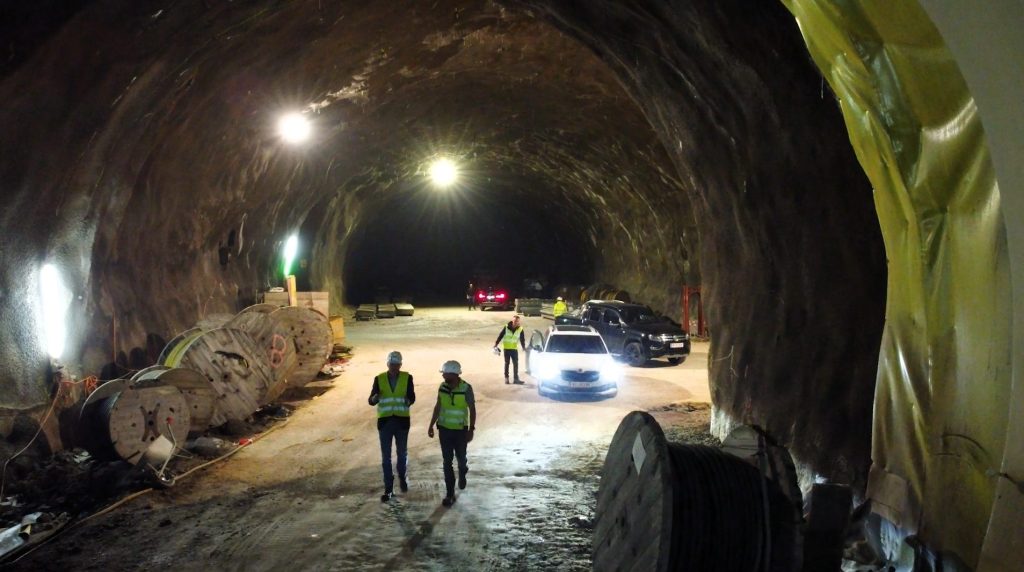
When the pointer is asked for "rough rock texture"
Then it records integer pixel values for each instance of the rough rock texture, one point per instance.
(139, 152)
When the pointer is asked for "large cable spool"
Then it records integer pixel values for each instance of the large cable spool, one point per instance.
(90, 433)
(664, 506)
(277, 343)
(124, 420)
(232, 362)
(172, 351)
(313, 338)
(142, 413)
(200, 397)
(604, 292)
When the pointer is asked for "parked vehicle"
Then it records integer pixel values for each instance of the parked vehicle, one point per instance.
(633, 332)
(572, 360)
(494, 298)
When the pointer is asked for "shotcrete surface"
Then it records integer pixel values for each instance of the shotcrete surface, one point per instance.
(306, 497)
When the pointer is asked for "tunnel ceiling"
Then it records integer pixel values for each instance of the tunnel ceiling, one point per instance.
(637, 144)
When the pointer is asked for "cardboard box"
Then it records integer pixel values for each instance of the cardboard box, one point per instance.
(338, 326)
(316, 300)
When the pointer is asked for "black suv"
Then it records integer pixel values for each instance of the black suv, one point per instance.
(632, 331)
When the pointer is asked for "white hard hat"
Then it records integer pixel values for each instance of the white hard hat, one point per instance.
(452, 366)
(559, 298)
(395, 357)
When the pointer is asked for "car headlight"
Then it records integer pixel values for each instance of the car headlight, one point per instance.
(543, 369)
(611, 371)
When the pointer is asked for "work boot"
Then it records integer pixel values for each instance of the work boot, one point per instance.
(403, 484)
(448, 501)
(506, 380)
(462, 480)
(518, 381)
(386, 496)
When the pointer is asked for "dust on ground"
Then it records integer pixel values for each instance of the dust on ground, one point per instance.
(306, 496)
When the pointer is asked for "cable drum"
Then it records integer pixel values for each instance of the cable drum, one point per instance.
(200, 397)
(278, 344)
(311, 333)
(663, 506)
(604, 292)
(234, 364)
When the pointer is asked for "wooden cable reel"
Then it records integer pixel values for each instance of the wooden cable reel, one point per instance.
(200, 397)
(141, 414)
(234, 365)
(92, 435)
(120, 420)
(313, 338)
(277, 344)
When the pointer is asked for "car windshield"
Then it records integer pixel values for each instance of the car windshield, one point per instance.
(634, 314)
(576, 345)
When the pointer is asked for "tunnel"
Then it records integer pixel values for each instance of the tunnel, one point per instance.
(854, 238)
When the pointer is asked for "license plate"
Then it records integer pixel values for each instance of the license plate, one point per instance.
(490, 297)
(580, 384)
(678, 345)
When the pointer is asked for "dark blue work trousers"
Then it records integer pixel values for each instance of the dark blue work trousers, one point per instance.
(398, 429)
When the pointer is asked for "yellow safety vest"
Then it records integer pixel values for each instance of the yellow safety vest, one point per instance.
(454, 412)
(393, 403)
(511, 339)
(559, 309)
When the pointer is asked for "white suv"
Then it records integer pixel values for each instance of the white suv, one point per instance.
(573, 360)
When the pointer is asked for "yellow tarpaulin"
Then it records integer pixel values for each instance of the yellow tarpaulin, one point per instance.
(941, 402)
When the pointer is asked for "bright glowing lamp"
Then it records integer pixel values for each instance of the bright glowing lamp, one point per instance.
(294, 128)
(55, 298)
(291, 247)
(443, 172)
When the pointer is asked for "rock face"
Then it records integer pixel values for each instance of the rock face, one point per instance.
(643, 144)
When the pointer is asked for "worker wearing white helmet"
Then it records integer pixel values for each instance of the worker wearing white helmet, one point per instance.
(393, 394)
(455, 417)
(559, 308)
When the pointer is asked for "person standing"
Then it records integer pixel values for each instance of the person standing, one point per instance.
(559, 307)
(471, 296)
(511, 337)
(455, 417)
(393, 394)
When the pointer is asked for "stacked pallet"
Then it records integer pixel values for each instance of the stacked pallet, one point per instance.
(366, 312)
(528, 306)
(386, 310)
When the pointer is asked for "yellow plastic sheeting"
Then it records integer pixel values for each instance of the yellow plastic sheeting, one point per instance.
(941, 401)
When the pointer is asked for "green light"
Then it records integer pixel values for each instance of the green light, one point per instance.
(291, 246)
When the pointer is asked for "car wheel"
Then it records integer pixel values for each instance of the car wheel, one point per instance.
(676, 360)
(634, 354)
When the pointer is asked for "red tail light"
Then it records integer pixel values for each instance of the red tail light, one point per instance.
(480, 295)
(500, 296)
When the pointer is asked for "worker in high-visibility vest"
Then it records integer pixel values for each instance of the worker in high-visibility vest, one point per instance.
(455, 417)
(560, 307)
(393, 394)
(511, 337)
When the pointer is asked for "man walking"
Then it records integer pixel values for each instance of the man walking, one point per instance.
(511, 337)
(393, 394)
(455, 416)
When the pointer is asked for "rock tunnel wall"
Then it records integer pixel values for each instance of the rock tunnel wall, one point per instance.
(791, 253)
(139, 153)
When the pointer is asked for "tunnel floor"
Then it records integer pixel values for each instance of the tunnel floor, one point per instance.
(306, 496)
